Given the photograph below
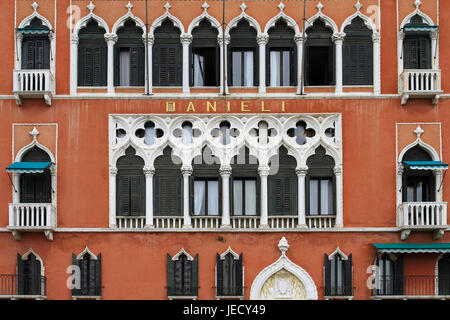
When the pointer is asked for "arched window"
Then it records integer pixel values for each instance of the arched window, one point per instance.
(182, 276)
(36, 187)
(358, 54)
(29, 278)
(204, 56)
(416, 45)
(244, 184)
(35, 45)
(92, 56)
(206, 185)
(167, 55)
(338, 275)
(281, 50)
(130, 193)
(167, 185)
(129, 56)
(390, 275)
(282, 186)
(319, 55)
(320, 184)
(243, 56)
(444, 275)
(418, 185)
(90, 275)
(229, 276)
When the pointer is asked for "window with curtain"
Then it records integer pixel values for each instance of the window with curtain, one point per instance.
(35, 45)
(338, 276)
(92, 56)
(182, 276)
(129, 56)
(357, 54)
(36, 187)
(229, 276)
(187, 133)
(320, 184)
(281, 48)
(243, 56)
(417, 46)
(205, 70)
(90, 273)
(167, 55)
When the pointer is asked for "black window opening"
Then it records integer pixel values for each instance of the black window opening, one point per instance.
(319, 55)
(90, 283)
(130, 185)
(418, 185)
(283, 186)
(417, 46)
(168, 185)
(206, 185)
(92, 56)
(320, 184)
(245, 184)
(129, 56)
(35, 46)
(338, 276)
(182, 276)
(444, 275)
(29, 278)
(389, 278)
(167, 55)
(229, 276)
(36, 187)
(357, 54)
(281, 57)
(243, 56)
(204, 59)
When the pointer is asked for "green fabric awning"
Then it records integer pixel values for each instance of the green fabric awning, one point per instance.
(34, 31)
(419, 28)
(28, 167)
(426, 165)
(438, 247)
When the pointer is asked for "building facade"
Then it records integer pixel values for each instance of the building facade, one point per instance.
(224, 150)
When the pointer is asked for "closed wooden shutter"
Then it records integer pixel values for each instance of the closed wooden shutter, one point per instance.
(170, 276)
(98, 275)
(168, 195)
(398, 276)
(35, 53)
(282, 195)
(358, 63)
(27, 188)
(92, 65)
(348, 276)
(219, 276)
(327, 275)
(137, 66)
(417, 52)
(444, 275)
(194, 280)
(239, 271)
(20, 275)
(130, 197)
(169, 71)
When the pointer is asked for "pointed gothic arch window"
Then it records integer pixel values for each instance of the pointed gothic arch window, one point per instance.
(338, 275)
(390, 275)
(90, 275)
(416, 45)
(35, 45)
(182, 276)
(229, 276)
(36, 187)
(30, 281)
(92, 56)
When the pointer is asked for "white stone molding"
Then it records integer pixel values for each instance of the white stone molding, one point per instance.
(28, 253)
(229, 251)
(338, 39)
(282, 15)
(84, 21)
(339, 253)
(301, 177)
(128, 16)
(182, 251)
(166, 15)
(367, 21)
(205, 15)
(283, 263)
(26, 22)
(86, 251)
(243, 15)
(327, 20)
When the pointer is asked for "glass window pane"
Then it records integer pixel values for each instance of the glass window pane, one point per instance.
(313, 197)
(286, 68)
(186, 135)
(275, 68)
(124, 67)
(410, 194)
(250, 197)
(237, 69)
(199, 66)
(150, 135)
(324, 195)
(199, 197)
(419, 191)
(237, 197)
(213, 198)
(248, 64)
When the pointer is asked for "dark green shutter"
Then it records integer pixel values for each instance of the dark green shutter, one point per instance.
(168, 195)
(170, 276)
(75, 262)
(398, 276)
(239, 275)
(20, 275)
(123, 197)
(168, 65)
(444, 275)
(348, 276)
(194, 278)
(137, 196)
(417, 52)
(327, 276)
(27, 188)
(98, 275)
(219, 275)
(35, 53)
(137, 66)
(35, 274)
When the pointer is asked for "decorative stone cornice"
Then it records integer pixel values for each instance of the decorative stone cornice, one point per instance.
(262, 39)
(111, 37)
(338, 36)
(186, 38)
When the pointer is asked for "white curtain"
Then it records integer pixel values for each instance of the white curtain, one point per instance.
(124, 68)
(313, 197)
(186, 135)
(199, 66)
(286, 68)
(213, 198)
(237, 69)
(248, 64)
(237, 197)
(274, 68)
(250, 197)
(199, 197)
(324, 197)
(150, 135)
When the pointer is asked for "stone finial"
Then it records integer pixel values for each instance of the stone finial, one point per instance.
(283, 245)
(358, 6)
(419, 131)
(243, 6)
(167, 6)
(205, 6)
(90, 7)
(35, 6)
(34, 133)
(129, 6)
(417, 3)
(320, 7)
(281, 6)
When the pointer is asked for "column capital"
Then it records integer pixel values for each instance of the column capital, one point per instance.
(376, 37)
(53, 170)
(112, 170)
(262, 39)
(74, 39)
(148, 171)
(186, 171)
(400, 169)
(220, 40)
(19, 36)
(299, 38)
(338, 37)
(338, 170)
(401, 35)
(225, 170)
(51, 35)
(434, 35)
(186, 38)
(150, 39)
(111, 38)
(302, 171)
(437, 172)
(263, 170)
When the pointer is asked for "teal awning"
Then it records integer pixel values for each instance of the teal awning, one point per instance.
(426, 165)
(34, 31)
(420, 28)
(28, 167)
(438, 247)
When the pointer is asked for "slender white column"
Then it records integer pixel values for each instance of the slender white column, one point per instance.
(438, 181)
(263, 174)
(401, 57)
(339, 200)
(338, 39)
(301, 175)
(18, 58)
(16, 193)
(150, 64)
(112, 197)
(434, 52)
(299, 43)
(73, 64)
(262, 41)
(399, 184)
(376, 63)
(223, 60)
(186, 40)
(149, 172)
(225, 173)
(111, 40)
(53, 184)
(186, 172)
